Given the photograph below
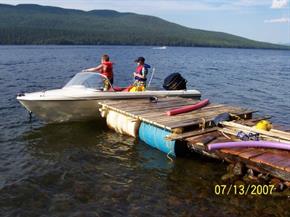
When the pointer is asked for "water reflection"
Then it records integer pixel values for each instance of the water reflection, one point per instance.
(84, 169)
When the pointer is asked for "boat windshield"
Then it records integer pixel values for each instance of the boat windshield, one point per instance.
(87, 79)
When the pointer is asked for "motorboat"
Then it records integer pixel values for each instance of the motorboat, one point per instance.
(79, 99)
(160, 48)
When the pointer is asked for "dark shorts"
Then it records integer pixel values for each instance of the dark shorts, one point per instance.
(111, 81)
(107, 85)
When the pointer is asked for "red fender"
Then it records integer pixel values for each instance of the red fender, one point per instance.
(188, 108)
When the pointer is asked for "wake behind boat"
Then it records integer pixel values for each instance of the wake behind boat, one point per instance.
(78, 99)
(160, 48)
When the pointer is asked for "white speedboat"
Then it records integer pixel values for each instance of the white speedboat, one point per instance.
(78, 99)
(160, 48)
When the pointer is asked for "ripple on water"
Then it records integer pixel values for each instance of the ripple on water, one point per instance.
(84, 169)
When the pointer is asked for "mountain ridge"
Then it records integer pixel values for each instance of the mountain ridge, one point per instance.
(36, 24)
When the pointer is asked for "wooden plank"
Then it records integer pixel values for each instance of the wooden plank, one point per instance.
(154, 113)
(152, 107)
(194, 122)
(273, 160)
(165, 120)
(190, 134)
(253, 121)
(209, 107)
(198, 138)
(234, 132)
(161, 99)
(220, 139)
(282, 128)
(187, 115)
(283, 153)
(132, 102)
(282, 135)
(211, 112)
(256, 165)
(137, 117)
(285, 163)
(280, 132)
(126, 105)
(140, 110)
(217, 108)
(119, 110)
(250, 153)
(196, 116)
(233, 151)
(143, 110)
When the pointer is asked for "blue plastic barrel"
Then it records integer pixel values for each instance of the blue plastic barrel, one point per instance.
(155, 137)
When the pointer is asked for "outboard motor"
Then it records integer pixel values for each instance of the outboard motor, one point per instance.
(174, 82)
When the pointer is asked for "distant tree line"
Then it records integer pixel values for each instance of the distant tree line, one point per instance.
(39, 25)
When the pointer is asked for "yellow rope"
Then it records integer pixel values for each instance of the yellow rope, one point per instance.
(235, 116)
(225, 135)
(202, 124)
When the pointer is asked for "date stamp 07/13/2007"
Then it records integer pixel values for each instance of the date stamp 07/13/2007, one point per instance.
(243, 190)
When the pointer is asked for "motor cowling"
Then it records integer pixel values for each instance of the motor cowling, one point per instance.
(174, 81)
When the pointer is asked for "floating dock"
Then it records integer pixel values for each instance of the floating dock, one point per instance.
(193, 131)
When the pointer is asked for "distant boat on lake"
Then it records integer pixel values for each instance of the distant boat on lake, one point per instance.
(160, 48)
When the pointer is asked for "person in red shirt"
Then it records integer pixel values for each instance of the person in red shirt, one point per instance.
(106, 69)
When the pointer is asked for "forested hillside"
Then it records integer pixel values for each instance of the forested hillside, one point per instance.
(34, 24)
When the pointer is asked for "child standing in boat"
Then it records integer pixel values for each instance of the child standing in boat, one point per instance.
(106, 69)
(140, 75)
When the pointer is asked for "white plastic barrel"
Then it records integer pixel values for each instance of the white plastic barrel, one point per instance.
(123, 124)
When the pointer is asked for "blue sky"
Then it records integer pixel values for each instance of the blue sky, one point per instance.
(263, 20)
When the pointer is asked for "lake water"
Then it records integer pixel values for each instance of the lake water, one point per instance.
(84, 169)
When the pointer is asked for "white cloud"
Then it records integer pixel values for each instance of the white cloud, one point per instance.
(252, 3)
(279, 4)
(276, 4)
(279, 20)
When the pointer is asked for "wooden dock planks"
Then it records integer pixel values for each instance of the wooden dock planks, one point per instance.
(270, 161)
(155, 113)
(274, 162)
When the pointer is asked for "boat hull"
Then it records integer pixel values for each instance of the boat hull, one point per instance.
(63, 105)
(63, 110)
